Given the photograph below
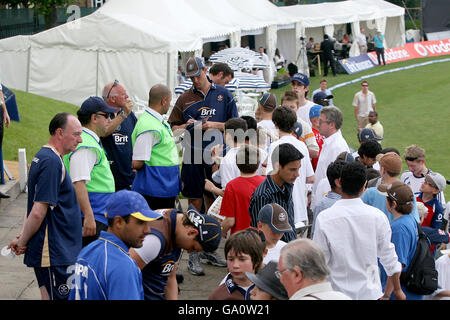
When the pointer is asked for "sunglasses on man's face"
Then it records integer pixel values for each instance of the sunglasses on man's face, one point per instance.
(106, 115)
(116, 82)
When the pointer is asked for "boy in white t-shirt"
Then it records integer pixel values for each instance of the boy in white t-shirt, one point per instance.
(273, 222)
(266, 104)
(285, 119)
(300, 85)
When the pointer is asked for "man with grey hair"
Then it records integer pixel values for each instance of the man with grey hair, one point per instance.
(330, 123)
(303, 271)
(117, 140)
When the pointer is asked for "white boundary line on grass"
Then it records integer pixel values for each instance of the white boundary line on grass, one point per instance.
(387, 71)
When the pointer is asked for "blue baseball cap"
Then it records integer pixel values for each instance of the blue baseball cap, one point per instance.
(209, 229)
(302, 78)
(315, 111)
(94, 105)
(368, 134)
(125, 203)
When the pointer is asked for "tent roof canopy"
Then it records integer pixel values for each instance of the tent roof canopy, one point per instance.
(183, 25)
(115, 32)
(175, 15)
(327, 13)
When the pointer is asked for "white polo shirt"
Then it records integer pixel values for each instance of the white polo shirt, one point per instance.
(353, 235)
(331, 148)
(361, 38)
(83, 161)
(144, 143)
(364, 102)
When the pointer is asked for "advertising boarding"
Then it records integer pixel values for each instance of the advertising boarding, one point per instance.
(409, 51)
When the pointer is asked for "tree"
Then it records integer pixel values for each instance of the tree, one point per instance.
(15, 3)
(47, 8)
(407, 3)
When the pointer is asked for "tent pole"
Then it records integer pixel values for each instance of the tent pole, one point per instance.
(96, 77)
(27, 86)
(168, 70)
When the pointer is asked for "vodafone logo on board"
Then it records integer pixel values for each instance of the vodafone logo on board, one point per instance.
(425, 49)
(414, 50)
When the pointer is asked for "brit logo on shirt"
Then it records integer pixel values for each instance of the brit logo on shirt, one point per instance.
(207, 112)
(120, 139)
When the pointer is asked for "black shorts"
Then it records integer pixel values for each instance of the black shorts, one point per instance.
(55, 279)
(193, 180)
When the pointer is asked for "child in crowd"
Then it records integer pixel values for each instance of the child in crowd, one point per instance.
(273, 223)
(433, 184)
(244, 252)
(400, 202)
(238, 192)
(266, 105)
(314, 114)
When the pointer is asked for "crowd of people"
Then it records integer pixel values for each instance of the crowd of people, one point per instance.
(303, 215)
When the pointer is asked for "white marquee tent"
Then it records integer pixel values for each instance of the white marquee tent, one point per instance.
(75, 60)
(332, 17)
(137, 41)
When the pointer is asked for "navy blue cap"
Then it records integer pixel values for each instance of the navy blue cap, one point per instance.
(321, 96)
(302, 78)
(209, 229)
(94, 105)
(125, 202)
(367, 134)
(298, 130)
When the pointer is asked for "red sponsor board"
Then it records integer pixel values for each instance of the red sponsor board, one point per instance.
(414, 50)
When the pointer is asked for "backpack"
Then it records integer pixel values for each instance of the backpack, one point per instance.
(421, 276)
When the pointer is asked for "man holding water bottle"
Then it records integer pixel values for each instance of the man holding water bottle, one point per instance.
(51, 234)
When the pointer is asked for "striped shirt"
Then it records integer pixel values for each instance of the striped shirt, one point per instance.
(269, 192)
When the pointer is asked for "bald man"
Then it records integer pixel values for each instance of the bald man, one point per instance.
(117, 141)
(155, 156)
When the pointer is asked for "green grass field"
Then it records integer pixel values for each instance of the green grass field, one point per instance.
(31, 132)
(412, 104)
(413, 107)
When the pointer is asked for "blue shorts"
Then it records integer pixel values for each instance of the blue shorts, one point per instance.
(55, 279)
(193, 180)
